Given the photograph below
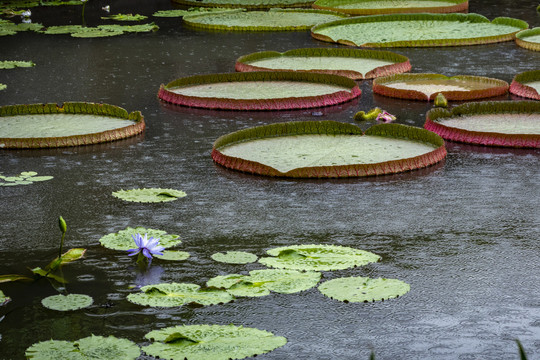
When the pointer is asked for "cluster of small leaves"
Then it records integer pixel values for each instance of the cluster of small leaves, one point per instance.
(234, 257)
(149, 195)
(125, 17)
(14, 64)
(67, 302)
(99, 31)
(190, 11)
(24, 178)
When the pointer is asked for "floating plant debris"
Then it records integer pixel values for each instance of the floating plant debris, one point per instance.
(123, 239)
(72, 124)
(4, 299)
(190, 11)
(15, 64)
(272, 20)
(317, 257)
(491, 123)
(262, 90)
(211, 342)
(526, 84)
(67, 302)
(248, 4)
(352, 63)
(327, 149)
(125, 17)
(178, 294)
(235, 257)
(24, 178)
(416, 30)
(529, 39)
(427, 86)
(92, 347)
(150, 195)
(372, 7)
(261, 282)
(363, 289)
(173, 255)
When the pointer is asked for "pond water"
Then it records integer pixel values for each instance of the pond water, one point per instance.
(464, 233)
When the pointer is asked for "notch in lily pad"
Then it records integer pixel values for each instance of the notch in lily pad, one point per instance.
(149, 195)
(363, 289)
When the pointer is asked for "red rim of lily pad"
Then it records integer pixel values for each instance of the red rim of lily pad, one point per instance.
(397, 131)
(334, 5)
(82, 108)
(434, 116)
(519, 84)
(223, 103)
(493, 87)
(521, 39)
(401, 63)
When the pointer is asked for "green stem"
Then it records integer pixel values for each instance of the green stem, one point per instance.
(83, 20)
(61, 246)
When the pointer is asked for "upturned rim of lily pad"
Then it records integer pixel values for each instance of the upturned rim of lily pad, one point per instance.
(455, 6)
(223, 103)
(401, 62)
(330, 128)
(521, 39)
(456, 17)
(434, 117)
(494, 87)
(519, 84)
(251, 5)
(83, 108)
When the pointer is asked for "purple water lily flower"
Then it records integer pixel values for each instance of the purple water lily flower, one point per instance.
(146, 247)
(385, 117)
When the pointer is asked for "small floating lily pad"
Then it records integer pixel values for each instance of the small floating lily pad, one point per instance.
(92, 347)
(178, 294)
(529, 39)
(10, 28)
(260, 90)
(317, 257)
(363, 289)
(352, 63)
(15, 64)
(125, 17)
(67, 302)
(24, 178)
(494, 123)
(526, 84)
(3, 86)
(261, 282)
(173, 255)
(149, 195)
(99, 31)
(416, 30)
(123, 239)
(190, 11)
(4, 299)
(248, 4)
(273, 20)
(235, 257)
(427, 86)
(72, 124)
(215, 342)
(327, 149)
(372, 7)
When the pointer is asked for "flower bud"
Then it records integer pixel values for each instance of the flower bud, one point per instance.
(62, 224)
(440, 101)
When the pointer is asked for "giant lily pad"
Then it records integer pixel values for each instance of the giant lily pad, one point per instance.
(406, 30)
(497, 123)
(190, 11)
(327, 149)
(261, 282)
(427, 86)
(24, 178)
(527, 84)
(317, 257)
(50, 125)
(210, 342)
(149, 195)
(352, 63)
(235, 257)
(273, 20)
(529, 39)
(248, 4)
(123, 240)
(260, 90)
(178, 294)
(67, 302)
(372, 7)
(363, 289)
(92, 347)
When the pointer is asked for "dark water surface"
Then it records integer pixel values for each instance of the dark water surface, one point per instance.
(463, 233)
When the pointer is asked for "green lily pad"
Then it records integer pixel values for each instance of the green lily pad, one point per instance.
(92, 347)
(24, 178)
(125, 17)
(363, 289)
(273, 20)
(96, 33)
(64, 29)
(402, 30)
(529, 39)
(317, 257)
(3, 86)
(10, 28)
(4, 299)
(149, 195)
(67, 302)
(248, 4)
(526, 84)
(261, 282)
(235, 257)
(14, 64)
(211, 342)
(173, 255)
(178, 294)
(130, 28)
(190, 11)
(371, 7)
(123, 240)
